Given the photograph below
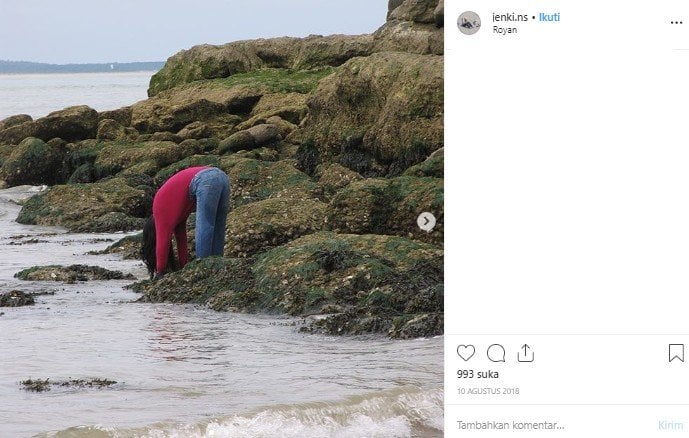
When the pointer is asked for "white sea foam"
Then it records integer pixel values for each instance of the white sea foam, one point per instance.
(404, 412)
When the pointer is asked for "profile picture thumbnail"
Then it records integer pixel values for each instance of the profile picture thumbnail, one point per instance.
(469, 22)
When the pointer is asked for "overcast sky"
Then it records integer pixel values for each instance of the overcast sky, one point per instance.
(79, 31)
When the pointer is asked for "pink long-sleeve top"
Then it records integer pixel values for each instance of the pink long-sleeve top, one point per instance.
(172, 205)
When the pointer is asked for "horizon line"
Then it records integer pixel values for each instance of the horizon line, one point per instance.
(83, 63)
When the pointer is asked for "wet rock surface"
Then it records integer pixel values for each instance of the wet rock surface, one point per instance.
(109, 205)
(129, 248)
(16, 298)
(34, 162)
(261, 225)
(70, 274)
(360, 284)
(42, 385)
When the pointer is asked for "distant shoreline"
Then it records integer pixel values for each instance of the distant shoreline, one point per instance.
(76, 73)
(23, 67)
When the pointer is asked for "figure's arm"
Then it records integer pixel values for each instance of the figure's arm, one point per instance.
(182, 248)
(162, 247)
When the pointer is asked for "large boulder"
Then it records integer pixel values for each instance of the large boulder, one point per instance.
(175, 109)
(413, 26)
(363, 284)
(14, 121)
(433, 166)
(111, 129)
(89, 207)
(439, 14)
(200, 281)
(389, 206)
(191, 161)
(123, 115)
(361, 281)
(254, 137)
(261, 225)
(418, 11)
(16, 298)
(14, 133)
(70, 274)
(290, 107)
(405, 36)
(264, 133)
(35, 162)
(388, 106)
(151, 155)
(333, 177)
(210, 62)
(70, 124)
(253, 180)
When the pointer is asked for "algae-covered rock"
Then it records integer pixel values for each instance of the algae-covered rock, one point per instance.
(432, 166)
(17, 132)
(375, 280)
(82, 207)
(366, 284)
(261, 154)
(166, 136)
(34, 162)
(123, 116)
(388, 105)
(261, 225)
(290, 107)
(129, 247)
(389, 206)
(81, 157)
(14, 121)
(253, 180)
(415, 326)
(419, 11)
(192, 161)
(196, 130)
(405, 36)
(70, 124)
(113, 221)
(439, 14)
(153, 155)
(70, 274)
(42, 385)
(201, 280)
(110, 129)
(242, 140)
(177, 108)
(333, 177)
(16, 298)
(209, 62)
(413, 26)
(256, 136)
(285, 127)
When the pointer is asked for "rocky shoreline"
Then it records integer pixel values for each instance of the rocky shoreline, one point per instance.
(334, 145)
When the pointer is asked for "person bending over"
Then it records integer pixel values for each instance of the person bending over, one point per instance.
(206, 189)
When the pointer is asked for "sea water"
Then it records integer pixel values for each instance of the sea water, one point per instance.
(187, 371)
(40, 94)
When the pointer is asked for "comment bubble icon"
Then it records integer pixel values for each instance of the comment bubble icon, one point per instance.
(496, 353)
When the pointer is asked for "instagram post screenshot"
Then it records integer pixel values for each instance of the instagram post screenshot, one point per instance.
(226, 218)
(567, 237)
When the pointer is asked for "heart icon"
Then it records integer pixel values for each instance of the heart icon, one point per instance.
(466, 352)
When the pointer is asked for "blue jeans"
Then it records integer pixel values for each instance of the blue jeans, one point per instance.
(211, 190)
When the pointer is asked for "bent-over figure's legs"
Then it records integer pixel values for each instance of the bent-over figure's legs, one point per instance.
(211, 188)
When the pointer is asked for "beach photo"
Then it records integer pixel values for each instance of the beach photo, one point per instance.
(222, 219)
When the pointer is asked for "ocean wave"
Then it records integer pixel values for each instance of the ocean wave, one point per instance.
(402, 412)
